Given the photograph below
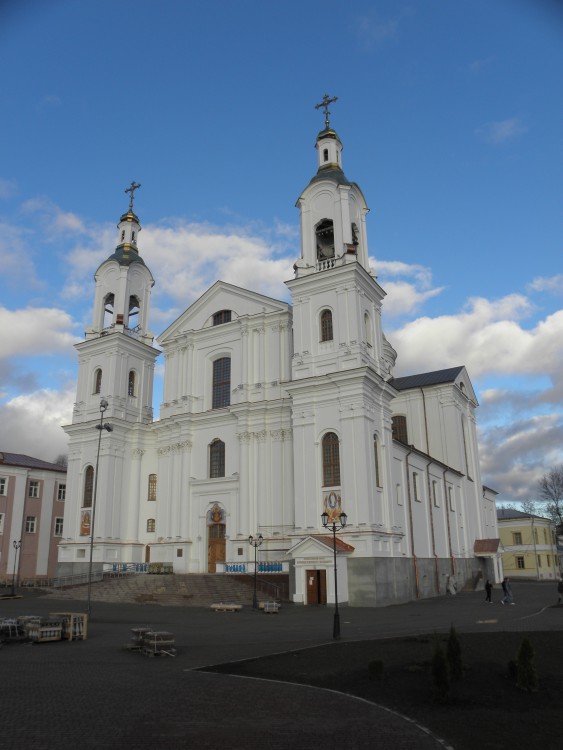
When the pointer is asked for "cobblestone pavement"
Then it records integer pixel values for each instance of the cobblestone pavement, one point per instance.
(95, 694)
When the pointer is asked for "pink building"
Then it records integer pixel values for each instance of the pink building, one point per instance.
(32, 495)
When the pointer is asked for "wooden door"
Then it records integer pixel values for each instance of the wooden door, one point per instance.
(316, 586)
(147, 553)
(216, 547)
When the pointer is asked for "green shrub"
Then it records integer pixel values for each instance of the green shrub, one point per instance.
(375, 669)
(440, 676)
(527, 676)
(453, 655)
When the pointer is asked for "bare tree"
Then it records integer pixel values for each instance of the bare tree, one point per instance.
(532, 507)
(551, 490)
(61, 459)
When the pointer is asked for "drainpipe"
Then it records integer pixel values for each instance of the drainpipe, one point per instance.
(535, 548)
(409, 498)
(431, 512)
(447, 509)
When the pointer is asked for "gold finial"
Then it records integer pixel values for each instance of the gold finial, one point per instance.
(325, 102)
(134, 186)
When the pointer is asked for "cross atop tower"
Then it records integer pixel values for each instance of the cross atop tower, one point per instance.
(134, 186)
(325, 102)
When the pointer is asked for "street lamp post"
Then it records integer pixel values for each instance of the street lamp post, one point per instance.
(17, 545)
(334, 527)
(255, 542)
(101, 426)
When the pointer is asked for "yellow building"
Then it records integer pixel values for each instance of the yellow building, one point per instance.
(528, 545)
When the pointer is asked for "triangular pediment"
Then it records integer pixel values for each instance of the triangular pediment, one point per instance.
(222, 296)
(316, 545)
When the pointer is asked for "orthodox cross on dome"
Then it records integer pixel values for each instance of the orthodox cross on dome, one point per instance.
(325, 102)
(134, 186)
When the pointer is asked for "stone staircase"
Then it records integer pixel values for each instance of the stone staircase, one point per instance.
(194, 590)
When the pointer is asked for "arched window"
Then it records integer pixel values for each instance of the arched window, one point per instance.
(131, 391)
(151, 525)
(223, 316)
(324, 232)
(152, 487)
(108, 310)
(217, 459)
(98, 381)
(399, 429)
(368, 332)
(221, 383)
(133, 307)
(326, 325)
(325, 154)
(88, 487)
(376, 462)
(331, 460)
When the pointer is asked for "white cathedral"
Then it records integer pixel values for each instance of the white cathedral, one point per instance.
(273, 414)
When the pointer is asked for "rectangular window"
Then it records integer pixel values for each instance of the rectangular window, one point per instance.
(61, 492)
(415, 486)
(516, 537)
(30, 524)
(3, 485)
(398, 494)
(539, 561)
(548, 561)
(451, 498)
(179, 553)
(152, 487)
(435, 498)
(58, 526)
(544, 536)
(221, 383)
(33, 488)
(520, 563)
(151, 525)
(1, 523)
(378, 482)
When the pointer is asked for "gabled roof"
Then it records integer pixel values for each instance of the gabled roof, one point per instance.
(325, 540)
(28, 462)
(436, 377)
(222, 296)
(505, 513)
(486, 547)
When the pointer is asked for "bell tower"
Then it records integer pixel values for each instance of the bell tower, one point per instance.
(116, 359)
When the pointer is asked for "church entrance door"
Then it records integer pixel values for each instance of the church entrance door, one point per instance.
(147, 553)
(316, 587)
(215, 546)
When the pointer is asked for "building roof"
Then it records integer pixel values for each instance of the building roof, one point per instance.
(426, 378)
(340, 545)
(486, 547)
(506, 513)
(28, 462)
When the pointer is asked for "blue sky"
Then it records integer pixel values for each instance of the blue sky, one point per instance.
(451, 118)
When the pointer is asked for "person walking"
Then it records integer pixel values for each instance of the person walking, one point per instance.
(559, 590)
(488, 591)
(507, 591)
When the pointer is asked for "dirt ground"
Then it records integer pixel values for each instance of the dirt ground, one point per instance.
(485, 710)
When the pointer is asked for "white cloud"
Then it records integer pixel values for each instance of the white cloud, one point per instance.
(405, 297)
(15, 257)
(32, 331)
(372, 30)
(551, 284)
(33, 422)
(501, 131)
(55, 221)
(486, 337)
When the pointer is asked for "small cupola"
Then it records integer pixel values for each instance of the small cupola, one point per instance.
(328, 145)
(128, 229)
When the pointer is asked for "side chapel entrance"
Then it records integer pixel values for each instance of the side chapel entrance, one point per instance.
(316, 586)
(216, 546)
